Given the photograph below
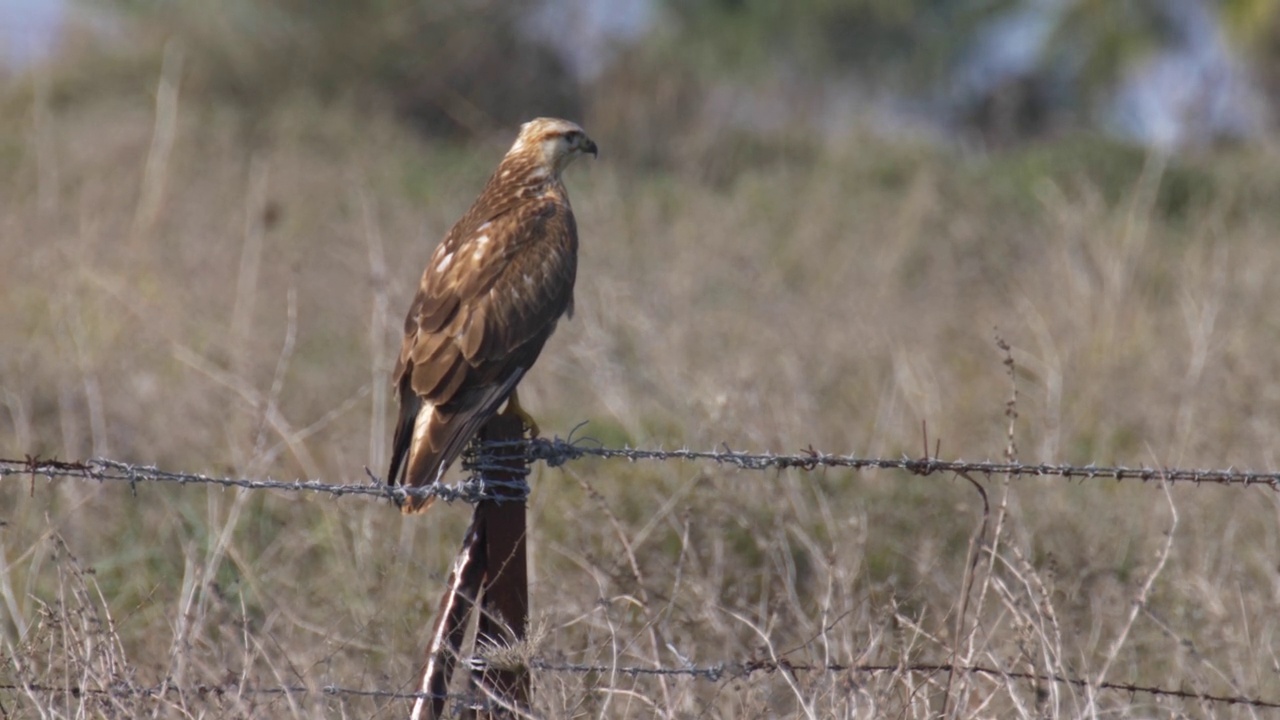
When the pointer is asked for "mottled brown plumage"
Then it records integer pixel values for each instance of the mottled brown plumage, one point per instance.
(488, 301)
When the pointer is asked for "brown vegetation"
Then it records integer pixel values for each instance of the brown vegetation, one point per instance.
(182, 290)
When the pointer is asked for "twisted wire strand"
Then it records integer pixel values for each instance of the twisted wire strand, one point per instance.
(745, 669)
(715, 673)
(492, 461)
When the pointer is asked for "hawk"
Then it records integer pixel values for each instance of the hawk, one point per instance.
(489, 299)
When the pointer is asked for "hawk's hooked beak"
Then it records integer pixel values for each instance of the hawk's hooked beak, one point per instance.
(589, 146)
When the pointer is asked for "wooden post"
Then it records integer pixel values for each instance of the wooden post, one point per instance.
(504, 608)
(490, 566)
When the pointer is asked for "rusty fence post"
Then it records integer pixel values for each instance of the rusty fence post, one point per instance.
(491, 567)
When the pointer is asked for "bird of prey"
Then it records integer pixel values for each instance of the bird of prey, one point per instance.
(489, 299)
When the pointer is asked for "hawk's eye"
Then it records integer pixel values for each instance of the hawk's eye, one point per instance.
(573, 137)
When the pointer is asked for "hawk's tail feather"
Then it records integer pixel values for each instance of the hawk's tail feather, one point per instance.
(439, 436)
(429, 466)
(425, 462)
(410, 403)
(416, 505)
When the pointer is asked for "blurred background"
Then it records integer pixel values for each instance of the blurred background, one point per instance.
(1166, 73)
(808, 226)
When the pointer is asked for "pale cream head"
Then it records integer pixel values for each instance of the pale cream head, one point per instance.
(554, 142)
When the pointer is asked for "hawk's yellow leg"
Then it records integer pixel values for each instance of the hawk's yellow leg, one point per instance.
(514, 408)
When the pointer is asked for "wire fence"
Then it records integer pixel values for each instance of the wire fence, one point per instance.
(556, 452)
(717, 673)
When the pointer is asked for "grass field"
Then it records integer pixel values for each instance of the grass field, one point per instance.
(183, 287)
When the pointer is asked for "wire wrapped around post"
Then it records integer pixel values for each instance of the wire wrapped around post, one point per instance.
(492, 567)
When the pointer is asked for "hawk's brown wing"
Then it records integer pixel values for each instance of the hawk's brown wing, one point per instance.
(488, 302)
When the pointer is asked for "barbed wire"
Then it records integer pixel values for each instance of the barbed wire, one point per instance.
(231, 688)
(719, 672)
(556, 452)
(744, 669)
(497, 456)
(471, 490)
(490, 457)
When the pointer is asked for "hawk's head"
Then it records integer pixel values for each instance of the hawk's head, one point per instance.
(554, 143)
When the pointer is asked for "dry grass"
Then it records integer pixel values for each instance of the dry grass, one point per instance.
(177, 293)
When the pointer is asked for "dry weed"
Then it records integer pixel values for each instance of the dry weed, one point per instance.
(177, 294)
